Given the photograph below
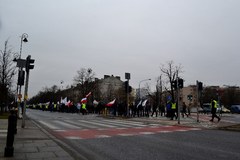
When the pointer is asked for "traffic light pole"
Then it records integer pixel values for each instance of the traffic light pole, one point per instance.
(178, 101)
(29, 65)
(128, 97)
(197, 102)
(25, 99)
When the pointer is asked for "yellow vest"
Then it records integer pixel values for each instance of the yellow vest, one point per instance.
(174, 106)
(83, 106)
(215, 104)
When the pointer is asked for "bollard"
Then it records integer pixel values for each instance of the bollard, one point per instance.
(12, 121)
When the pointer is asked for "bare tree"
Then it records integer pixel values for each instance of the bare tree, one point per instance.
(7, 71)
(171, 71)
(83, 80)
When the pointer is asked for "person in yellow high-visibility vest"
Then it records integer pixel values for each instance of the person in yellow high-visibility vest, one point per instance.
(84, 108)
(173, 110)
(214, 110)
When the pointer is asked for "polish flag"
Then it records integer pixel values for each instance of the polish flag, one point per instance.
(110, 104)
(84, 100)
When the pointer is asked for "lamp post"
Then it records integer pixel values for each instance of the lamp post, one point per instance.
(139, 92)
(19, 86)
(23, 39)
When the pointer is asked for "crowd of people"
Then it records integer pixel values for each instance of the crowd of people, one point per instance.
(140, 109)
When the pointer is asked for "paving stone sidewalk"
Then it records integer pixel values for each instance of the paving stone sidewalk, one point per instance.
(31, 143)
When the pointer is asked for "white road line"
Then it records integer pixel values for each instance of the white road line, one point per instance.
(66, 124)
(140, 124)
(181, 130)
(146, 133)
(102, 136)
(116, 124)
(3, 130)
(97, 124)
(49, 125)
(60, 130)
(164, 131)
(84, 125)
(74, 123)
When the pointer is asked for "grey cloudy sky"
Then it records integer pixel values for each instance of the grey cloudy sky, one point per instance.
(117, 36)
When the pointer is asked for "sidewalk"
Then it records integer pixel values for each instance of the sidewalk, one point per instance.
(31, 143)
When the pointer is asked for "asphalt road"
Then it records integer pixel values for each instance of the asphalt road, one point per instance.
(135, 140)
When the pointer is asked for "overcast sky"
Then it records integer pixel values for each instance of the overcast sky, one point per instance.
(117, 36)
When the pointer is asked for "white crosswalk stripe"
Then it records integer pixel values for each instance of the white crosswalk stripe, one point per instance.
(51, 126)
(82, 125)
(122, 123)
(97, 124)
(93, 124)
(67, 125)
(3, 133)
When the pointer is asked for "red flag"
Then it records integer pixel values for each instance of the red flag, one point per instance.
(110, 104)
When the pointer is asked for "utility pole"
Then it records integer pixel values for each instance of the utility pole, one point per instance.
(25, 99)
(197, 102)
(178, 106)
(29, 65)
(199, 86)
(127, 76)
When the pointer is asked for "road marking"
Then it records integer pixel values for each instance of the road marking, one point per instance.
(110, 132)
(73, 138)
(97, 124)
(181, 130)
(66, 124)
(49, 125)
(164, 131)
(146, 133)
(125, 123)
(102, 136)
(60, 130)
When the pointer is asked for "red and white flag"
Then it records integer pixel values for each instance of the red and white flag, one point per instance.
(110, 104)
(84, 100)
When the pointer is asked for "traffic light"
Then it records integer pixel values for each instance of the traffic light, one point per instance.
(174, 84)
(21, 75)
(29, 63)
(128, 89)
(180, 83)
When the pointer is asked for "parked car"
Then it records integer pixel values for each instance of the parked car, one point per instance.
(206, 109)
(235, 109)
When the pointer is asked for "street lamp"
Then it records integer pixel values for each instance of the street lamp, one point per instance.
(19, 86)
(140, 85)
(23, 39)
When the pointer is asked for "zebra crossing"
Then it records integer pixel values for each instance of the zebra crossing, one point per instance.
(3, 133)
(77, 129)
(92, 124)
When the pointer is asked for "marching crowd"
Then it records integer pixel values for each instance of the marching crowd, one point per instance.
(141, 109)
